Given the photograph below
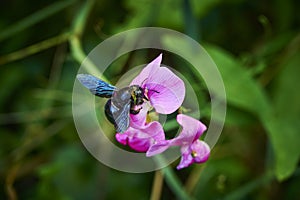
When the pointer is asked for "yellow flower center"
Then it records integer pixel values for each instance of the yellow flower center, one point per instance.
(194, 154)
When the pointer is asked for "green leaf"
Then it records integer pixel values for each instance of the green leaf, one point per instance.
(283, 125)
(34, 18)
(282, 122)
(242, 90)
(285, 139)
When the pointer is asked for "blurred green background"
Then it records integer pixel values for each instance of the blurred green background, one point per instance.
(255, 44)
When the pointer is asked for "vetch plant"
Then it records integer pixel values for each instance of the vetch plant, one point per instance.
(155, 88)
(192, 149)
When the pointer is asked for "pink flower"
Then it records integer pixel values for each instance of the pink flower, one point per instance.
(164, 89)
(141, 139)
(141, 135)
(192, 149)
(165, 92)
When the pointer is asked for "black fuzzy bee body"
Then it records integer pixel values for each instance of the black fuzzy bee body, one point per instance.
(122, 102)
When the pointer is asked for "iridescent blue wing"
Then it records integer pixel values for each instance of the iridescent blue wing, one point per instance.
(119, 116)
(96, 86)
(122, 118)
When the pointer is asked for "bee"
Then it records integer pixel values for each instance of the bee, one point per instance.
(122, 102)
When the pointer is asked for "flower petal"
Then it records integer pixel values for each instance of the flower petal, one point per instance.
(122, 138)
(200, 151)
(158, 148)
(149, 69)
(140, 144)
(132, 138)
(192, 129)
(166, 91)
(139, 120)
(187, 139)
(141, 139)
(155, 130)
(186, 158)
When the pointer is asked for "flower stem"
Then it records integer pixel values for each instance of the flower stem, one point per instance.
(35, 48)
(172, 180)
(75, 42)
(157, 186)
(191, 24)
(193, 179)
(34, 18)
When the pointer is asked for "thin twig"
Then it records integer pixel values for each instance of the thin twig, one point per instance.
(172, 180)
(35, 48)
(9, 182)
(157, 186)
(34, 18)
(75, 42)
(193, 179)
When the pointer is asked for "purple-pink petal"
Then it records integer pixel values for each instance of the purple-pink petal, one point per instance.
(192, 149)
(122, 137)
(186, 158)
(158, 147)
(147, 71)
(141, 139)
(200, 151)
(165, 90)
(192, 129)
(139, 120)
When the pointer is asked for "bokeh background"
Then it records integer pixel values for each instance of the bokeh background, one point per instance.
(255, 44)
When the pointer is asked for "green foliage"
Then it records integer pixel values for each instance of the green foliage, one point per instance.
(283, 124)
(279, 119)
(255, 45)
(241, 90)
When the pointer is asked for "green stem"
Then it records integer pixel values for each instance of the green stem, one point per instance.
(82, 17)
(35, 48)
(79, 55)
(191, 24)
(157, 186)
(172, 180)
(75, 43)
(34, 18)
(193, 179)
(35, 115)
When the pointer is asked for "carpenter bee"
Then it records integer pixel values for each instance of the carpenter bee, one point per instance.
(121, 101)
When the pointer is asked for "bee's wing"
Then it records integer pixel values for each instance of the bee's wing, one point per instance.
(96, 86)
(121, 116)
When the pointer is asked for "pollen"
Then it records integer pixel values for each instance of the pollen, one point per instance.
(194, 154)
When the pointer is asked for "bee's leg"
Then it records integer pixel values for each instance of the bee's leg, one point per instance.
(146, 93)
(145, 98)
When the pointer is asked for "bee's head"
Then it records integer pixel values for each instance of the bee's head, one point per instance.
(137, 94)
